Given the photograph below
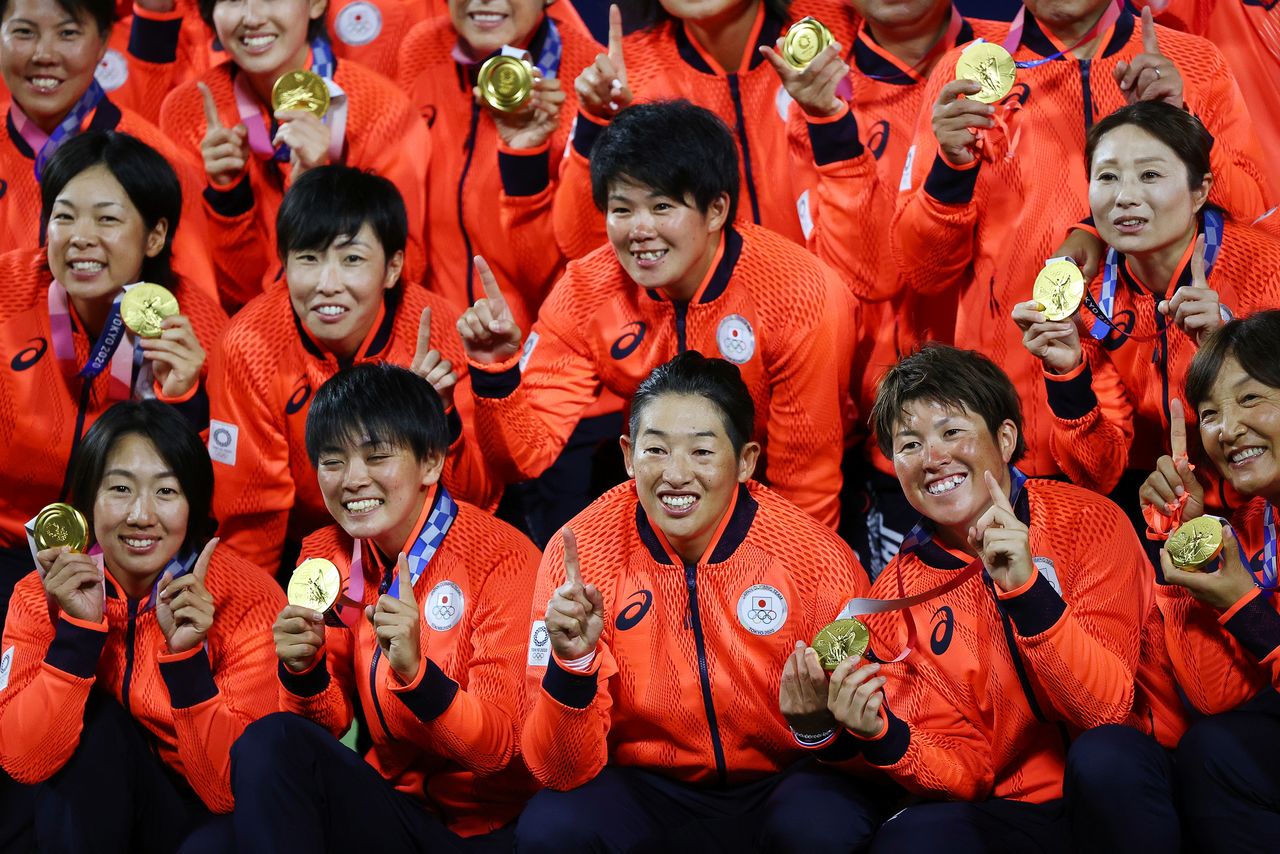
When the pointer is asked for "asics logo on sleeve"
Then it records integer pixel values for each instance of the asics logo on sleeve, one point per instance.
(878, 138)
(28, 356)
(630, 616)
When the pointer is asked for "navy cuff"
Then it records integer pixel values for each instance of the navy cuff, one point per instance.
(891, 746)
(835, 141)
(308, 684)
(454, 421)
(585, 134)
(1257, 627)
(841, 749)
(434, 694)
(949, 185)
(499, 385)
(190, 680)
(155, 41)
(1073, 398)
(75, 649)
(1035, 610)
(525, 174)
(575, 690)
(233, 202)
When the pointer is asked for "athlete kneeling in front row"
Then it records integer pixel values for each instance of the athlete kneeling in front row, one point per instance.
(675, 599)
(428, 636)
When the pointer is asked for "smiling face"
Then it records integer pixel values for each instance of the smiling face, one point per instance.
(266, 38)
(140, 512)
(685, 469)
(1139, 196)
(48, 58)
(485, 26)
(940, 454)
(898, 14)
(1240, 431)
(337, 291)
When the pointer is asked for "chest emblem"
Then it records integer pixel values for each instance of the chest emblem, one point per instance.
(736, 339)
(762, 610)
(444, 606)
(358, 23)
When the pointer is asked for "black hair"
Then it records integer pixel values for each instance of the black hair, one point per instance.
(101, 12)
(951, 377)
(315, 26)
(146, 176)
(386, 403)
(178, 444)
(333, 201)
(642, 14)
(674, 147)
(1176, 128)
(1252, 341)
(694, 375)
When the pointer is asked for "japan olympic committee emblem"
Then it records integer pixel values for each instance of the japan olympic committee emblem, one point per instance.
(762, 610)
(736, 339)
(444, 606)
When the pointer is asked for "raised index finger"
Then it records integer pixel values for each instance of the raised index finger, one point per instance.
(1198, 278)
(404, 578)
(572, 569)
(1150, 43)
(998, 498)
(201, 568)
(489, 282)
(210, 108)
(1177, 431)
(615, 36)
(424, 333)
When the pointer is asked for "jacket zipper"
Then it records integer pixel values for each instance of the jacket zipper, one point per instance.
(470, 146)
(373, 666)
(682, 311)
(129, 637)
(740, 118)
(1162, 353)
(1088, 93)
(704, 674)
(86, 388)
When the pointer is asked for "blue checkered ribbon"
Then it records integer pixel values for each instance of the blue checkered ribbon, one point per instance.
(69, 126)
(429, 540)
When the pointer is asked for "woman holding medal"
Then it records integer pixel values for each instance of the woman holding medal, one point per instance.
(73, 339)
(1177, 267)
(130, 667)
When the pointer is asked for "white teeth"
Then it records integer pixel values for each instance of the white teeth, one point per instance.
(678, 502)
(652, 255)
(946, 485)
(331, 310)
(363, 505)
(1246, 454)
(135, 543)
(257, 41)
(45, 82)
(1132, 221)
(487, 17)
(87, 266)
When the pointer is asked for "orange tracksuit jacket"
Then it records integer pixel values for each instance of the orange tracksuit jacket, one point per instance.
(664, 62)
(982, 233)
(686, 674)
(1224, 658)
(465, 180)
(450, 737)
(960, 722)
(846, 170)
(371, 32)
(1112, 412)
(767, 305)
(43, 412)
(151, 52)
(260, 391)
(193, 705)
(383, 134)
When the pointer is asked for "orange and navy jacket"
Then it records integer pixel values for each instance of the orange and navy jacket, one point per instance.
(193, 705)
(371, 32)
(470, 168)
(451, 736)
(982, 233)
(1224, 658)
(846, 170)
(260, 391)
(685, 678)
(1112, 412)
(997, 684)
(383, 135)
(766, 305)
(45, 412)
(152, 52)
(663, 61)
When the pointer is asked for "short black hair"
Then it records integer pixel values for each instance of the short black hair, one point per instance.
(694, 375)
(101, 12)
(1175, 127)
(938, 373)
(642, 14)
(148, 180)
(332, 201)
(386, 403)
(178, 444)
(314, 28)
(674, 147)
(1252, 341)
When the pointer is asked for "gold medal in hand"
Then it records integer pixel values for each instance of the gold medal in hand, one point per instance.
(144, 308)
(1059, 287)
(1195, 543)
(991, 67)
(840, 640)
(61, 525)
(301, 90)
(806, 38)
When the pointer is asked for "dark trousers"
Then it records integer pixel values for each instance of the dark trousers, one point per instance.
(1117, 797)
(807, 808)
(115, 794)
(1229, 779)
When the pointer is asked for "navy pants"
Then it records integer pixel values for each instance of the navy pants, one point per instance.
(1117, 797)
(1229, 779)
(806, 808)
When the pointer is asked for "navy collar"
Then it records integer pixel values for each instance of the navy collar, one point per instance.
(874, 65)
(723, 273)
(391, 301)
(770, 32)
(744, 513)
(105, 117)
(1035, 39)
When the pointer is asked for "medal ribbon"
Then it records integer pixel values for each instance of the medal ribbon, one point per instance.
(45, 145)
(323, 64)
(1269, 580)
(107, 349)
(1016, 28)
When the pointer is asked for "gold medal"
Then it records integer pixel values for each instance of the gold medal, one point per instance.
(991, 67)
(61, 525)
(1195, 543)
(316, 584)
(840, 640)
(145, 306)
(505, 82)
(301, 90)
(1059, 287)
(805, 40)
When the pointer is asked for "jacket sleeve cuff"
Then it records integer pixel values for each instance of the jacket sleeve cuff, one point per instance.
(525, 172)
(189, 677)
(77, 646)
(1071, 394)
(1085, 225)
(575, 690)
(153, 36)
(454, 421)
(890, 745)
(1254, 623)
(183, 398)
(231, 202)
(430, 695)
(498, 380)
(585, 133)
(842, 748)
(1034, 607)
(308, 683)
(834, 138)
(193, 407)
(951, 185)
